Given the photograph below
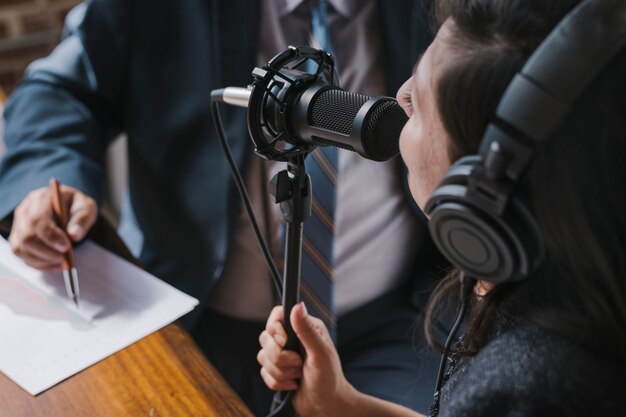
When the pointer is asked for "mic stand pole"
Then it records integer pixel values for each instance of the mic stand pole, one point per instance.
(291, 189)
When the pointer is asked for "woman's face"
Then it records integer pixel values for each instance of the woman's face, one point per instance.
(424, 141)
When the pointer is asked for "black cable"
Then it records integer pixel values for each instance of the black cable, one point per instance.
(278, 405)
(467, 286)
(217, 96)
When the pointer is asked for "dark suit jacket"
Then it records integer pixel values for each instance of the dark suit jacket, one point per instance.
(147, 68)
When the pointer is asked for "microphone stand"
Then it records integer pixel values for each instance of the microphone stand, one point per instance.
(291, 189)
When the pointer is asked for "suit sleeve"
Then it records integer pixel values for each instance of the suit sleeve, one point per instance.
(69, 107)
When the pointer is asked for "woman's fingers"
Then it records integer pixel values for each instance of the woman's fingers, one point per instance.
(276, 385)
(280, 368)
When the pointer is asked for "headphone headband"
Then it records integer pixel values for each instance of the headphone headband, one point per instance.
(563, 66)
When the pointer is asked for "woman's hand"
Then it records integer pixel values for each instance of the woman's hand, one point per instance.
(317, 376)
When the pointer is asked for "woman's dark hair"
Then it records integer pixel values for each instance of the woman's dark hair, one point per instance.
(576, 185)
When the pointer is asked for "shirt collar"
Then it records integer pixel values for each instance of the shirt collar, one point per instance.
(345, 8)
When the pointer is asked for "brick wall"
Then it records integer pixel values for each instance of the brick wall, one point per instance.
(29, 29)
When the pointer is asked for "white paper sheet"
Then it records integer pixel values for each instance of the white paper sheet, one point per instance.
(45, 339)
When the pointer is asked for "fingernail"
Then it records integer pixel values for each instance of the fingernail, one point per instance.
(59, 245)
(75, 230)
(305, 312)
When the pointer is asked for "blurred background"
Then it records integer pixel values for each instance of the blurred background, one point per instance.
(30, 29)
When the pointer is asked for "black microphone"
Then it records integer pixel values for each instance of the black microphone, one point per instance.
(326, 115)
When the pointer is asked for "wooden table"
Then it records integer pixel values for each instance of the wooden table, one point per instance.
(162, 375)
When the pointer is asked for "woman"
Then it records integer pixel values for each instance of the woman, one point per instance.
(555, 343)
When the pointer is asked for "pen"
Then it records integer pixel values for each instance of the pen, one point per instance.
(70, 274)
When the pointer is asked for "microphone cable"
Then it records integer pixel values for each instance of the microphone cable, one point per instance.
(217, 96)
(467, 286)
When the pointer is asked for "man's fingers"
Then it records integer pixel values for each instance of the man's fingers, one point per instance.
(35, 253)
(46, 242)
(83, 213)
(35, 236)
(49, 234)
(33, 221)
(33, 259)
(44, 253)
(42, 266)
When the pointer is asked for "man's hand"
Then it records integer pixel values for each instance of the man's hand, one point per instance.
(37, 239)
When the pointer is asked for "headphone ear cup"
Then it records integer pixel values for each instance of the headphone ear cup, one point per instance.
(459, 171)
(484, 245)
(470, 160)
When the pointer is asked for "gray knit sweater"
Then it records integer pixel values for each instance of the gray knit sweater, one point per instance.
(529, 371)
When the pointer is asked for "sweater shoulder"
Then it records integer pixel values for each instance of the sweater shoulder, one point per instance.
(530, 371)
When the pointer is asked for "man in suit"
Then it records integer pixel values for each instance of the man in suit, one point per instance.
(147, 68)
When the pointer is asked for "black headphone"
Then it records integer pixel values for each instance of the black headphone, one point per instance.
(476, 219)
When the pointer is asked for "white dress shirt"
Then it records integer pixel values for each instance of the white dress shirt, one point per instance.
(374, 228)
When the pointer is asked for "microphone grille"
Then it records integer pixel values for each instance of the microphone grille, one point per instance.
(382, 130)
(324, 112)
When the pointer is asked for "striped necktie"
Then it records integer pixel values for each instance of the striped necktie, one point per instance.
(317, 243)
